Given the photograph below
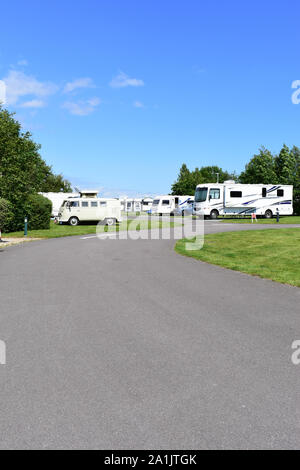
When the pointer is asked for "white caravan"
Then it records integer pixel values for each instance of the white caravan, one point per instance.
(163, 205)
(88, 207)
(243, 199)
(186, 208)
(57, 199)
(147, 204)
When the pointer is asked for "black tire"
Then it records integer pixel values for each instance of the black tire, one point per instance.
(73, 221)
(268, 214)
(214, 214)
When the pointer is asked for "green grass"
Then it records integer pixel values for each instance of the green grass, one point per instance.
(272, 254)
(57, 230)
(283, 220)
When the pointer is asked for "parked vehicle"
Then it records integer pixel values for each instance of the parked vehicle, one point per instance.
(57, 199)
(88, 207)
(147, 204)
(186, 208)
(243, 199)
(163, 205)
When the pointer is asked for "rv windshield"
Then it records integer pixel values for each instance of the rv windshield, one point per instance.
(201, 194)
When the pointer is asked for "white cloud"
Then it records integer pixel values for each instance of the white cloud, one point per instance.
(79, 83)
(138, 104)
(33, 104)
(18, 85)
(122, 80)
(82, 108)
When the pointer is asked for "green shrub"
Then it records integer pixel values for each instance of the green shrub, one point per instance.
(6, 215)
(38, 211)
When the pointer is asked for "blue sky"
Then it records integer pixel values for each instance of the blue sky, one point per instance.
(121, 92)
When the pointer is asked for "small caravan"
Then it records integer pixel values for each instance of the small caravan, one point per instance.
(243, 199)
(169, 205)
(147, 204)
(88, 207)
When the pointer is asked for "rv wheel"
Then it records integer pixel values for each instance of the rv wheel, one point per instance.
(214, 214)
(268, 214)
(110, 222)
(73, 221)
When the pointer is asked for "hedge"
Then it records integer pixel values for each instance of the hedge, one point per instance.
(38, 210)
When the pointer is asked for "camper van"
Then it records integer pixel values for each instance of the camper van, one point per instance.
(243, 199)
(88, 207)
(169, 205)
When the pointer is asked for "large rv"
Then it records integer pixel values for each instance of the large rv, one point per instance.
(88, 207)
(243, 199)
(163, 205)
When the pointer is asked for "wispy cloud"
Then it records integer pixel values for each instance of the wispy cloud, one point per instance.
(19, 85)
(79, 83)
(22, 63)
(82, 108)
(122, 80)
(33, 104)
(138, 104)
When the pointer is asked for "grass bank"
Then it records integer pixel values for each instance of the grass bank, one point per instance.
(271, 254)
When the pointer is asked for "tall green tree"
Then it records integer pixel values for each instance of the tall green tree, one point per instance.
(285, 166)
(260, 169)
(188, 180)
(22, 170)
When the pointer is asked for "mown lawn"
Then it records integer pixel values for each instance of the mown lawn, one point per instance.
(271, 254)
(283, 220)
(57, 230)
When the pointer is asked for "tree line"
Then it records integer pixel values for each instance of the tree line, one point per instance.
(263, 168)
(23, 174)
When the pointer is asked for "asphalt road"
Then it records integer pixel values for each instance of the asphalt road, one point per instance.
(127, 345)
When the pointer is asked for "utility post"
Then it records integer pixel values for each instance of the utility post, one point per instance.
(25, 227)
(218, 177)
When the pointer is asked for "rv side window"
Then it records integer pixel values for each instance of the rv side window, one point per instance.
(236, 194)
(156, 202)
(84, 204)
(214, 194)
(104, 204)
(94, 204)
(264, 192)
(280, 192)
(165, 202)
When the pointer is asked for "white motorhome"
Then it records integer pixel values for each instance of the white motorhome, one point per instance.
(243, 199)
(163, 205)
(88, 207)
(57, 199)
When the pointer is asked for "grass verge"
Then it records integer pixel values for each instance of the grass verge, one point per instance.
(283, 220)
(271, 254)
(57, 231)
